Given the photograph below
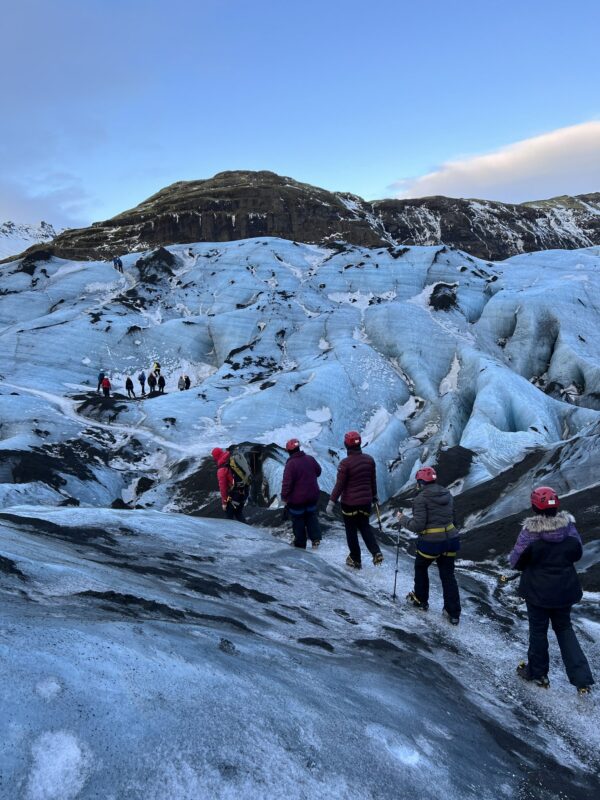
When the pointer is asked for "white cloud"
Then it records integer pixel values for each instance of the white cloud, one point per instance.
(60, 200)
(564, 161)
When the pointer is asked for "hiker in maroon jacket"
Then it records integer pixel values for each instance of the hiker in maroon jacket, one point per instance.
(300, 493)
(357, 484)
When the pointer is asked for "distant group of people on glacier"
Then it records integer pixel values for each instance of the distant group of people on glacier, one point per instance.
(545, 552)
(156, 382)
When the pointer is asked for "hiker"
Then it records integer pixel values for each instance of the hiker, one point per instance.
(156, 368)
(187, 381)
(152, 382)
(142, 380)
(545, 551)
(129, 387)
(433, 519)
(161, 384)
(357, 484)
(100, 379)
(106, 386)
(118, 264)
(300, 493)
(233, 483)
(181, 383)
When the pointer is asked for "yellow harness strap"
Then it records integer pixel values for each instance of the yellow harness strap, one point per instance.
(439, 530)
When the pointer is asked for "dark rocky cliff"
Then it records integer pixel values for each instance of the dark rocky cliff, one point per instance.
(240, 205)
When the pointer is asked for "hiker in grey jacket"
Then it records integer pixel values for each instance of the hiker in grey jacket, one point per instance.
(433, 520)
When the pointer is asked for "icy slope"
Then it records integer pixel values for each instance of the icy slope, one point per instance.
(15, 237)
(149, 656)
(422, 349)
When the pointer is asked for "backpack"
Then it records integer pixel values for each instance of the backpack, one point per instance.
(142, 377)
(105, 383)
(241, 472)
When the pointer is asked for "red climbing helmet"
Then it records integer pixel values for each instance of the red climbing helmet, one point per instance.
(427, 474)
(292, 445)
(544, 497)
(352, 439)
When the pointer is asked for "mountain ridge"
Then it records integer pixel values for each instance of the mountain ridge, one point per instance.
(16, 236)
(237, 205)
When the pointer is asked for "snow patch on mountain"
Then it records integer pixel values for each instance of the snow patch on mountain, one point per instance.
(16, 237)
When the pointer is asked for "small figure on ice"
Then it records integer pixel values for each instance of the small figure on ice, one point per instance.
(129, 387)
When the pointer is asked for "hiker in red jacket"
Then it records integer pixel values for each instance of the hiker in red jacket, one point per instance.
(300, 493)
(105, 386)
(233, 494)
(357, 484)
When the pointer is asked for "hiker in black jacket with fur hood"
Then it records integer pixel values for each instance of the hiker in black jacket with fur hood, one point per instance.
(546, 551)
(433, 520)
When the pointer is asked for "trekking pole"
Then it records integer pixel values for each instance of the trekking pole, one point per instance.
(397, 548)
(396, 570)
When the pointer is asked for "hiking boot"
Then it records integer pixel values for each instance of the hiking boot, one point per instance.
(416, 603)
(583, 690)
(453, 620)
(316, 543)
(378, 559)
(523, 672)
(350, 562)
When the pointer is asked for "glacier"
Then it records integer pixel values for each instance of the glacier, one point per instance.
(153, 649)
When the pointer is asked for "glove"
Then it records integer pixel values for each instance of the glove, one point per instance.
(375, 501)
(402, 519)
(330, 508)
(503, 578)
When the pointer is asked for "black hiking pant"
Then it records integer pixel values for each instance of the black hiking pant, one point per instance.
(130, 393)
(445, 565)
(356, 520)
(305, 523)
(576, 664)
(143, 385)
(106, 392)
(236, 511)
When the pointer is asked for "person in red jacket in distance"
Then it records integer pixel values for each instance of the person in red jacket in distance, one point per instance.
(357, 485)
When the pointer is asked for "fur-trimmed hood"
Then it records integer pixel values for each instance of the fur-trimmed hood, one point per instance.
(539, 523)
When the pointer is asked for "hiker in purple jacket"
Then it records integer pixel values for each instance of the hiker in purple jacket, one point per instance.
(356, 484)
(300, 493)
(546, 551)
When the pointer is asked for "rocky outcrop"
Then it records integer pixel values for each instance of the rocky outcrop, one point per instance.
(241, 205)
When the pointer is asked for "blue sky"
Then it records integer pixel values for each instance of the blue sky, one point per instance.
(107, 101)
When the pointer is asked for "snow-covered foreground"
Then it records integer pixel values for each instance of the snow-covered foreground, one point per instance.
(148, 655)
